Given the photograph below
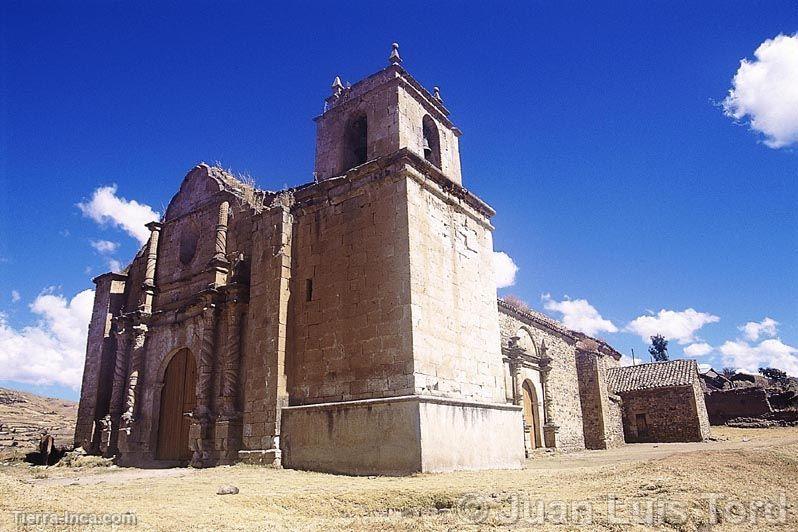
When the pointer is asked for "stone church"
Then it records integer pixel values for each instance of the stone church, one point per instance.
(347, 325)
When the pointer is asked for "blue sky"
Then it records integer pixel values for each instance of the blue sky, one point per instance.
(595, 130)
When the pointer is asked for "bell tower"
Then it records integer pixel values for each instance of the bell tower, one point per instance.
(380, 115)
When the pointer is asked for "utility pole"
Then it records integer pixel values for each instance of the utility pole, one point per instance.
(634, 363)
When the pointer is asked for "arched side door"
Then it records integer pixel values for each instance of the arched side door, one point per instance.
(531, 416)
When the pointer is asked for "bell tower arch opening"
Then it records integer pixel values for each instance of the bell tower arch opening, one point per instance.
(431, 141)
(355, 142)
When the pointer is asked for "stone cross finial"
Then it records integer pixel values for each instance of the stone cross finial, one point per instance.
(337, 86)
(436, 93)
(395, 59)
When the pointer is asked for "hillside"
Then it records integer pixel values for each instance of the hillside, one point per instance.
(23, 417)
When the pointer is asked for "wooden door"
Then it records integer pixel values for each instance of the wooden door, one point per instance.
(177, 397)
(531, 416)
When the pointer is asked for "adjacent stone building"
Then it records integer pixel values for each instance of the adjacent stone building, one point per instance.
(348, 325)
(662, 401)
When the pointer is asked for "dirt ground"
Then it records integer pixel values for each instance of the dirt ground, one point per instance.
(746, 480)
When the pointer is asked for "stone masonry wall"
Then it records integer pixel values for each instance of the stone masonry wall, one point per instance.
(411, 115)
(701, 408)
(100, 352)
(602, 416)
(350, 286)
(455, 327)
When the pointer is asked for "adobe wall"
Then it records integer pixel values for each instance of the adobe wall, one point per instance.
(723, 405)
(671, 415)
(455, 337)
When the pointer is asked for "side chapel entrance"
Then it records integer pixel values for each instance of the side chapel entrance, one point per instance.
(177, 398)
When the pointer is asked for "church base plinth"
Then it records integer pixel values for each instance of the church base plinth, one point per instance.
(401, 436)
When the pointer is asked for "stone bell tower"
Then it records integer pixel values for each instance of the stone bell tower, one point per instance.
(380, 115)
(395, 363)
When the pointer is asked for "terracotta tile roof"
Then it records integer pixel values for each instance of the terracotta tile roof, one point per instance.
(653, 375)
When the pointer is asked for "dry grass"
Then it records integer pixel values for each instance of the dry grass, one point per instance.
(763, 468)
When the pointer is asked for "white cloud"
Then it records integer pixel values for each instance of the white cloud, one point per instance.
(107, 208)
(698, 350)
(673, 325)
(504, 269)
(579, 315)
(15, 297)
(764, 91)
(766, 328)
(104, 246)
(53, 350)
(114, 265)
(768, 353)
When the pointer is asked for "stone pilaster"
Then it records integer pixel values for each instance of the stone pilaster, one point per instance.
(550, 428)
(99, 363)
(117, 404)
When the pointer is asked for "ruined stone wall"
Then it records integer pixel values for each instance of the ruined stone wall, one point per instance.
(455, 327)
(350, 328)
(670, 415)
(563, 381)
(723, 405)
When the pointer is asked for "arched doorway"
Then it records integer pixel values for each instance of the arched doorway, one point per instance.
(177, 397)
(531, 416)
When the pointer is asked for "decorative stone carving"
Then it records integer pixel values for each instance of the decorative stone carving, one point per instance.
(231, 363)
(136, 371)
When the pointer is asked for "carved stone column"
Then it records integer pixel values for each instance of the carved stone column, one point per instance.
(137, 363)
(232, 361)
(200, 431)
(111, 424)
(219, 264)
(148, 287)
(229, 427)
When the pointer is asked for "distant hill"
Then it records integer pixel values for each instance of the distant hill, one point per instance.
(23, 417)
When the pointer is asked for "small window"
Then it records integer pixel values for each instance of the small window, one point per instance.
(355, 148)
(308, 289)
(431, 141)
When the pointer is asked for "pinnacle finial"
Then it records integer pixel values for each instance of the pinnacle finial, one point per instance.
(395, 59)
(436, 93)
(337, 86)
